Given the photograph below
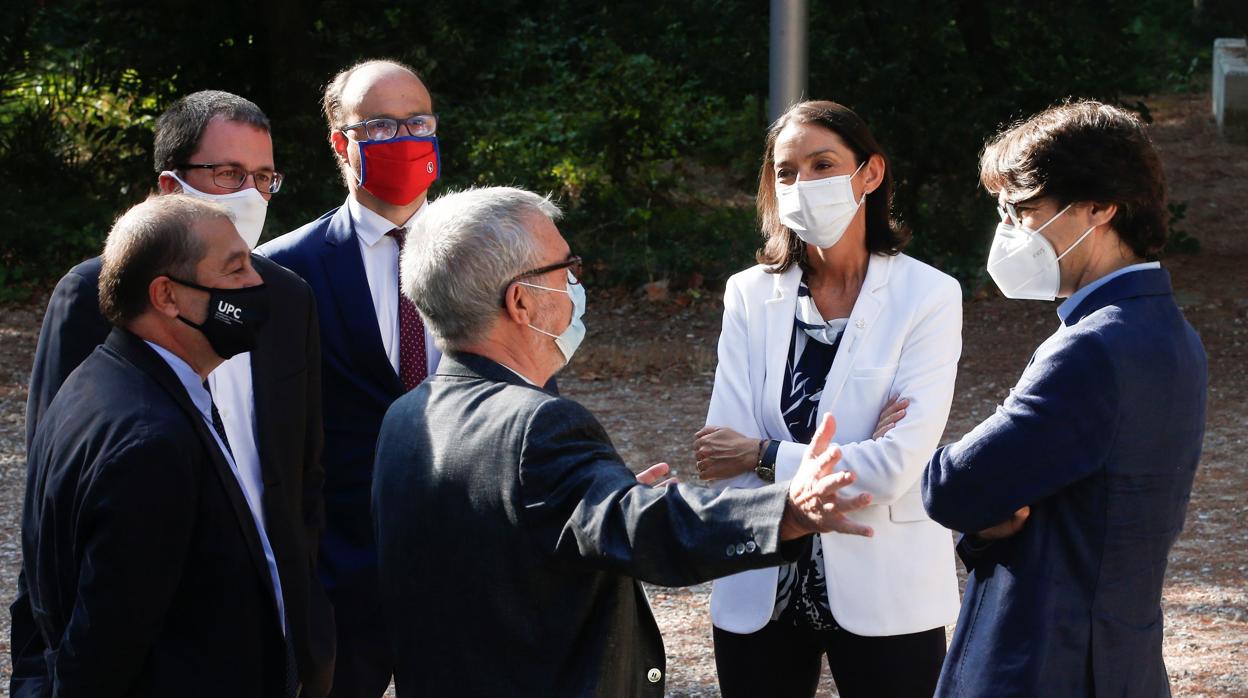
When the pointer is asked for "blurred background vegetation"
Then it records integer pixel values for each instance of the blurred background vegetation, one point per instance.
(646, 119)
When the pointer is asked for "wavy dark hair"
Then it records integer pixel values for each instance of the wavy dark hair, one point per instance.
(783, 248)
(1085, 151)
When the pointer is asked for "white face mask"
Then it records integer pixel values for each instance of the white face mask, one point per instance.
(248, 206)
(1023, 263)
(820, 210)
(571, 337)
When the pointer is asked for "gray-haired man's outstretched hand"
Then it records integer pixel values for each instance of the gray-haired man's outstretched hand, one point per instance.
(814, 503)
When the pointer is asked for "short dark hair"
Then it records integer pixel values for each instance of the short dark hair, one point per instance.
(1085, 151)
(331, 101)
(155, 238)
(179, 129)
(783, 247)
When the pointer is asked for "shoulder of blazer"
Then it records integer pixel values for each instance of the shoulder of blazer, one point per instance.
(757, 283)
(290, 248)
(281, 280)
(912, 273)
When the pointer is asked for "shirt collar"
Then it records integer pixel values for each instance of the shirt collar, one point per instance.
(190, 379)
(525, 378)
(1068, 306)
(371, 226)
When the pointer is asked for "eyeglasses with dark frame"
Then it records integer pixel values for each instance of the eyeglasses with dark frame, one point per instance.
(572, 264)
(230, 176)
(385, 128)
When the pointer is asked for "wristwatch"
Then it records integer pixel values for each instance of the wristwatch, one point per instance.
(766, 468)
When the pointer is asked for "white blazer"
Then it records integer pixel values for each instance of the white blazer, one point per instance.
(904, 338)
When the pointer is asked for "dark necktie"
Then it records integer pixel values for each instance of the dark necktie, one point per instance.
(413, 364)
(217, 424)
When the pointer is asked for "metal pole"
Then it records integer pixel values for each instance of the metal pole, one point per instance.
(788, 55)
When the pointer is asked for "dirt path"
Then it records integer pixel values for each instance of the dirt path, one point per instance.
(646, 371)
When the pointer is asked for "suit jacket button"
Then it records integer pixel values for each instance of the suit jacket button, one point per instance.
(654, 675)
(751, 546)
(740, 548)
(732, 550)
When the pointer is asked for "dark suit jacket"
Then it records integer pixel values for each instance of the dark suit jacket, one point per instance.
(511, 538)
(146, 572)
(286, 383)
(358, 382)
(1101, 437)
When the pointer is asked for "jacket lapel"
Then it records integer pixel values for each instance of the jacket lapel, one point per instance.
(136, 351)
(264, 402)
(778, 313)
(861, 321)
(344, 268)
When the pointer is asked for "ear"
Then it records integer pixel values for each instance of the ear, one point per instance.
(873, 173)
(160, 294)
(339, 142)
(519, 305)
(167, 184)
(1100, 213)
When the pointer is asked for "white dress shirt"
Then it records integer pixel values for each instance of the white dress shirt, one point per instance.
(381, 267)
(244, 444)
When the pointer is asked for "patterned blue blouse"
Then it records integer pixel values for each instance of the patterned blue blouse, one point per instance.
(801, 593)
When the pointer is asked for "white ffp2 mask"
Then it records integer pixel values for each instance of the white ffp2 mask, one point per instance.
(1023, 263)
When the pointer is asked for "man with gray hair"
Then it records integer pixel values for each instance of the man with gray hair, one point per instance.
(510, 533)
(148, 562)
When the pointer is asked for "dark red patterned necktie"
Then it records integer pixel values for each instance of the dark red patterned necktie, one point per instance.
(413, 364)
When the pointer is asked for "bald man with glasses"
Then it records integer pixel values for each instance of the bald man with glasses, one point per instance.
(374, 346)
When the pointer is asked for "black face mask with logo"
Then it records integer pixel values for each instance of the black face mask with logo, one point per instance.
(235, 316)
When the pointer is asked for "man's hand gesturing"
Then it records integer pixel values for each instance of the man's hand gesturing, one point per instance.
(814, 505)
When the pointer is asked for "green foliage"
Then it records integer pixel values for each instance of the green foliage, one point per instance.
(646, 120)
(1180, 241)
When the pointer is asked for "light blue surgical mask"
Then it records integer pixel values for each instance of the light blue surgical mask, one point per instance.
(570, 338)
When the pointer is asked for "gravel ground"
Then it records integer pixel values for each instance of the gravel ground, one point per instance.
(646, 371)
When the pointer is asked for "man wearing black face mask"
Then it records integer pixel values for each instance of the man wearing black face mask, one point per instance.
(216, 146)
(144, 551)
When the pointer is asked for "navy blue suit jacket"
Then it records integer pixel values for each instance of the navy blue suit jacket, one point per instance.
(358, 385)
(1100, 437)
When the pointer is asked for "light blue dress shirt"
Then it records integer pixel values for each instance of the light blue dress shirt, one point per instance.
(203, 402)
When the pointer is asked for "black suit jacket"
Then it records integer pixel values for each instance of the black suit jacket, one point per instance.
(145, 567)
(286, 379)
(511, 537)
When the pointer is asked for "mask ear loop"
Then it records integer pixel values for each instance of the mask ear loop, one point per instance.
(1076, 243)
(851, 186)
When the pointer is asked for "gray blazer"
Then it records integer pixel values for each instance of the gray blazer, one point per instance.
(512, 537)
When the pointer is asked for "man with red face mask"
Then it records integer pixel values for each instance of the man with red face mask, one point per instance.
(374, 346)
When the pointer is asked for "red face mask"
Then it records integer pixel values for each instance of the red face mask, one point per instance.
(400, 169)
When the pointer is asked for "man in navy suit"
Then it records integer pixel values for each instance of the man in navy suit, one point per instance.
(374, 346)
(1073, 492)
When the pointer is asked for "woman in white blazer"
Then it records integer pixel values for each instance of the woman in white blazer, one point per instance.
(835, 319)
